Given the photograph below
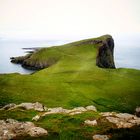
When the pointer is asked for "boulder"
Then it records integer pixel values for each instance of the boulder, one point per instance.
(122, 120)
(75, 113)
(57, 110)
(100, 137)
(78, 109)
(10, 129)
(119, 122)
(91, 108)
(8, 106)
(27, 106)
(106, 114)
(91, 123)
(125, 116)
(37, 131)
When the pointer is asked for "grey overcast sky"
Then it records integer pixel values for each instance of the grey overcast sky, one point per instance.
(68, 19)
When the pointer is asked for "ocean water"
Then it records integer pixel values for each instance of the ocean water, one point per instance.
(126, 56)
(13, 48)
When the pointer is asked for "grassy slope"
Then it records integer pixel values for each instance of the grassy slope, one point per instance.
(74, 80)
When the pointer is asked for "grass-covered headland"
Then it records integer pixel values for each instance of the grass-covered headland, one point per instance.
(77, 74)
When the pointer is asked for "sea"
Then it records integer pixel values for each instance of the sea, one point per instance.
(125, 55)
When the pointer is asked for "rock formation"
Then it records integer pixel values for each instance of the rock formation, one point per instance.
(10, 129)
(100, 137)
(122, 120)
(27, 106)
(58, 110)
(91, 123)
(105, 58)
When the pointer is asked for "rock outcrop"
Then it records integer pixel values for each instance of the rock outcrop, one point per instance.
(27, 106)
(20, 59)
(58, 110)
(100, 137)
(10, 129)
(91, 123)
(30, 62)
(122, 120)
(105, 57)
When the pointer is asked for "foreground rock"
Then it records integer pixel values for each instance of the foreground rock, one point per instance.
(10, 129)
(74, 111)
(27, 106)
(122, 120)
(100, 137)
(8, 106)
(91, 123)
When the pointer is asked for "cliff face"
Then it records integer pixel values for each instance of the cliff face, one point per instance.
(105, 58)
(46, 57)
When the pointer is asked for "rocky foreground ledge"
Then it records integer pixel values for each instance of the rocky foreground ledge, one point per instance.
(104, 56)
(10, 128)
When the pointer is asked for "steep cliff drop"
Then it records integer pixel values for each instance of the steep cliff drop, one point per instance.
(105, 57)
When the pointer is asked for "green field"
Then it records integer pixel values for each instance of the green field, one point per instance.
(72, 80)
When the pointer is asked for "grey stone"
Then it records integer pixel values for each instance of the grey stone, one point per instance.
(10, 129)
(91, 108)
(100, 137)
(8, 106)
(36, 106)
(91, 123)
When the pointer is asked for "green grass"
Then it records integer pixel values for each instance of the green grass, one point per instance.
(65, 127)
(72, 80)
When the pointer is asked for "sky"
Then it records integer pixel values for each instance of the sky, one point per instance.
(68, 19)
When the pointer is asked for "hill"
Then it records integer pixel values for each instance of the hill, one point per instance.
(76, 74)
(73, 79)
